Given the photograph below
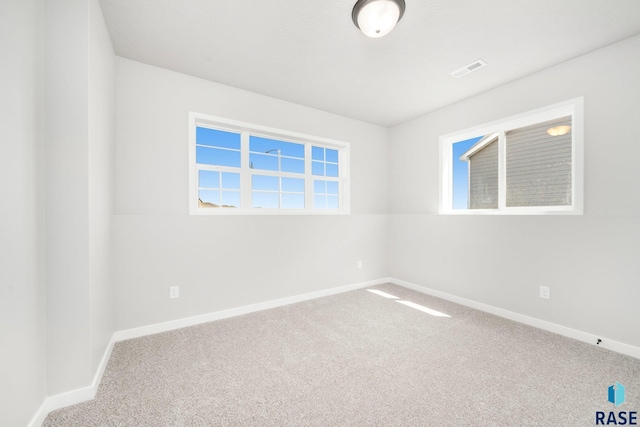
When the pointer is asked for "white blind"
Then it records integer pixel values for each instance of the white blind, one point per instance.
(538, 165)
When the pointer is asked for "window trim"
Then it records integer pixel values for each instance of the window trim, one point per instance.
(246, 130)
(573, 107)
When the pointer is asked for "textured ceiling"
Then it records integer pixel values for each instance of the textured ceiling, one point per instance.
(310, 53)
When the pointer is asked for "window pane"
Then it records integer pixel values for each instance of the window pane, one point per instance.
(332, 202)
(460, 167)
(295, 185)
(265, 200)
(264, 183)
(320, 202)
(332, 187)
(217, 138)
(209, 198)
(320, 187)
(538, 164)
(317, 153)
(230, 199)
(483, 174)
(263, 145)
(263, 161)
(317, 168)
(292, 165)
(216, 156)
(293, 201)
(332, 156)
(231, 180)
(332, 170)
(208, 179)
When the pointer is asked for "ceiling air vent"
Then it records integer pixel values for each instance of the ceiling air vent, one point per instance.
(475, 65)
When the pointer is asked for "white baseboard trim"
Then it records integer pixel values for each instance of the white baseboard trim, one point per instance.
(218, 315)
(40, 415)
(80, 395)
(73, 397)
(589, 338)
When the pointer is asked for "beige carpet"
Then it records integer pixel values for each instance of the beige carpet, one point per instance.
(357, 359)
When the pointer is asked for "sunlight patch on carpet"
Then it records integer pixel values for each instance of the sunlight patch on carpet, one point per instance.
(382, 294)
(424, 309)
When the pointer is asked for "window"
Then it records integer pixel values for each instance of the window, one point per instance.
(527, 164)
(241, 168)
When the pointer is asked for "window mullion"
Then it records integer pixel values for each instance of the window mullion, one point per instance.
(469, 185)
(216, 168)
(502, 169)
(245, 173)
(308, 178)
(343, 181)
(267, 172)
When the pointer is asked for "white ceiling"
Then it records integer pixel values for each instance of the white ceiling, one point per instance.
(309, 52)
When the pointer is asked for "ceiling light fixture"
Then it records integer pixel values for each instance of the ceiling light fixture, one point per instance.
(559, 130)
(376, 18)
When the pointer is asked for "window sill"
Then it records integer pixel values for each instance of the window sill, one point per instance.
(227, 212)
(538, 211)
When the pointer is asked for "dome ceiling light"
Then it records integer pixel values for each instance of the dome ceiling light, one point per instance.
(376, 18)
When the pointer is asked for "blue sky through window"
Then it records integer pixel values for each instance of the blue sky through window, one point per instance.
(274, 155)
(325, 194)
(264, 183)
(208, 179)
(461, 173)
(217, 138)
(293, 185)
(218, 156)
(287, 149)
(219, 188)
(325, 162)
(273, 192)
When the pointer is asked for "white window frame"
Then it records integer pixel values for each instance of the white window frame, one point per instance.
(573, 107)
(246, 130)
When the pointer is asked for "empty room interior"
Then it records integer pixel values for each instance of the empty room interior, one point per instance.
(373, 212)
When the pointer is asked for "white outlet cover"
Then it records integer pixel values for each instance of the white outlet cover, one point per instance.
(545, 292)
(174, 292)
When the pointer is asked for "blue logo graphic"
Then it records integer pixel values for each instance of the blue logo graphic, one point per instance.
(616, 394)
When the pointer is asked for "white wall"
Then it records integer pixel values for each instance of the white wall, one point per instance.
(230, 261)
(79, 122)
(101, 148)
(67, 230)
(22, 310)
(590, 262)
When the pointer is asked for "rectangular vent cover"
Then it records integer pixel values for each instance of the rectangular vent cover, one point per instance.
(475, 65)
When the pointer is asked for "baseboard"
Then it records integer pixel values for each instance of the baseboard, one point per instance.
(589, 338)
(40, 415)
(218, 315)
(80, 395)
(73, 397)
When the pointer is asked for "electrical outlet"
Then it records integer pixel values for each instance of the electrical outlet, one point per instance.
(359, 264)
(545, 292)
(174, 292)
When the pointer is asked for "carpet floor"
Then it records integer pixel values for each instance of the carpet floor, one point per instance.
(357, 359)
